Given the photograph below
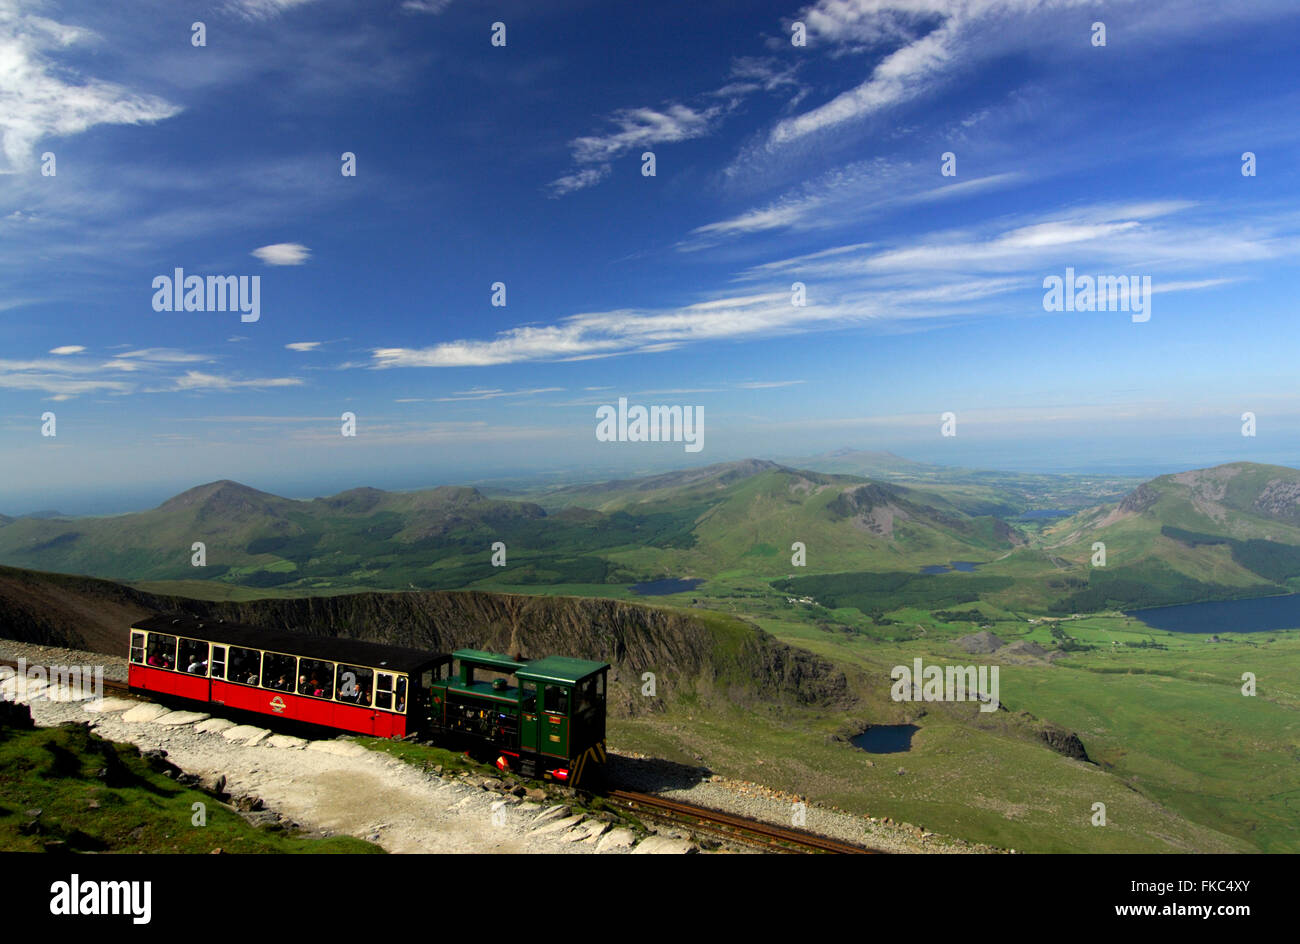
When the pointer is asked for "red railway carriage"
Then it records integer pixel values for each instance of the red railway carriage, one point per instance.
(338, 683)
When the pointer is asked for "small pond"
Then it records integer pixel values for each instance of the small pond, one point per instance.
(886, 738)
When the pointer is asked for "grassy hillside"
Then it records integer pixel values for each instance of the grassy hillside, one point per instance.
(1230, 531)
(65, 789)
(1160, 714)
(773, 706)
(734, 517)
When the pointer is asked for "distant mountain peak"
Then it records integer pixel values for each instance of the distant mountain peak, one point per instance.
(355, 500)
(223, 497)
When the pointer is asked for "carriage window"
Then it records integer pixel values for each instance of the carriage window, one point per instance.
(557, 699)
(528, 696)
(194, 657)
(401, 694)
(384, 691)
(218, 662)
(245, 666)
(162, 651)
(315, 678)
(279, 671)
(137, 648)
(355, 684)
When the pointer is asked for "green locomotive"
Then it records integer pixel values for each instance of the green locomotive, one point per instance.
(545, 718)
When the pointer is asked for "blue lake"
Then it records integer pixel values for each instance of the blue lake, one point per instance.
(1259, 615)
(1038, 513)
(659, 588)
(966, 567)
(886, 738)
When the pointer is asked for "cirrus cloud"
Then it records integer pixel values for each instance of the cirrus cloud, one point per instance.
(43, 98)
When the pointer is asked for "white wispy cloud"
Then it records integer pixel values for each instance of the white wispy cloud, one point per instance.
(605, 334)
(263, 9)
(1193, 286)
(71, 373)
(162, 355)
(62, 378)
(426, 6)
(754, 73)
(282, 254)
(933, 39)
(463, 395)
(642, 127)
(1098, 235)
(579, 180)
(303, 345)
(632, 129)
(932, 276)
(843, 197)
(194, 380)
(44, 98)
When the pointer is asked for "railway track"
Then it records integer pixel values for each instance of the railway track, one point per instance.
(729, 826)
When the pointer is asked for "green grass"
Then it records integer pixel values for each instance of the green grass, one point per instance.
(98, 796)
(1175, 740)
(426, 757)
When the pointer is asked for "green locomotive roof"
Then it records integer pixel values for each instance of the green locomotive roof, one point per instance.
(548, 669)
(560, 669)
(491, 660)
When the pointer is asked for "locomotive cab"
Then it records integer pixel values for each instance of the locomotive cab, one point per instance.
(545, 718)
(563, 716)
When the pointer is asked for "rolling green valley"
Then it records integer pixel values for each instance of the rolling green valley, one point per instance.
(847, 577)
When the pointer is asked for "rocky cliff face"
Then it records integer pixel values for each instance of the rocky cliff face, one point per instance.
(1063, 742)
(711, 657)
(682, 651)
(1140, 499)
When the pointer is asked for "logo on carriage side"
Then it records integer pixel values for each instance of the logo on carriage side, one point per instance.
(277, 704)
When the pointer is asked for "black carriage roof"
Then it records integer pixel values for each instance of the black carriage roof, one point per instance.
(329, 648)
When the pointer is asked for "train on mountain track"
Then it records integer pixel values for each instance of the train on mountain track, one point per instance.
(542, 718)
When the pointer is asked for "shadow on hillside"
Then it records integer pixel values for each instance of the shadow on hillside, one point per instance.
(652, 774)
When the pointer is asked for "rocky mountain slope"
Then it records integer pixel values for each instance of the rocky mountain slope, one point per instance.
(701, 654)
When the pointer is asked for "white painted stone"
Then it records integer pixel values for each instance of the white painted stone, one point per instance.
(615, 839)
(110, 704)
(182, 717)
(662, 845)
(214, 725)
(246, 733)
(287, 742)
(585, 831)
(339, 748)
(557, 825)
(145, 712)
(551, 812)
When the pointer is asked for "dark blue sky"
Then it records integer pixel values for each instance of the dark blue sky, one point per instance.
(522, 164)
